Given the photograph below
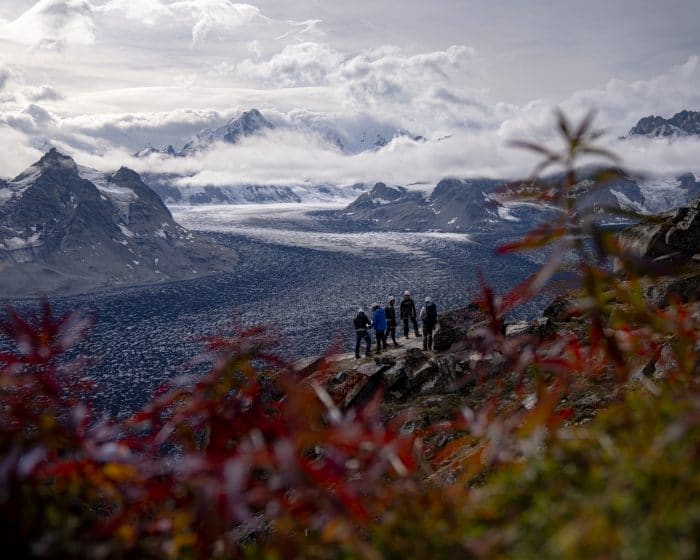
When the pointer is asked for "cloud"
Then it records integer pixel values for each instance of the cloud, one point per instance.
(5, 75)
(420, 88)
(297, 65)
(133, 131)
(289, 156)
(52, 25)
(17, 152)
(621, 103)
(41, 93)
(147, 12)
(207, 20)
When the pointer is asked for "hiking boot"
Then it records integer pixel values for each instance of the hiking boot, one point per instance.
(357, 356)
(368, 354)
(417, 334)
(397, 345)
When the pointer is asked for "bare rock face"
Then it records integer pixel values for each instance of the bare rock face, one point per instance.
(676, 239)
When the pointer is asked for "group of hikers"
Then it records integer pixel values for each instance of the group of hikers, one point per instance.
(384, 323)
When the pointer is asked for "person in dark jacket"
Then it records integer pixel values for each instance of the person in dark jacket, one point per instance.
(390, 312)
(408, 313)
(428, 315)
(362, 325)
(379, 324)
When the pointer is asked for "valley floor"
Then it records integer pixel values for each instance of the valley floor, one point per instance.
(306, 284)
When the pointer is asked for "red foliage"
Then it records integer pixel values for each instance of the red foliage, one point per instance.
(237, 448)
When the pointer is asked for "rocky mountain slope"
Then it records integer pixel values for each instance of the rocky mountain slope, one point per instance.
(462, 205)
(68, 228)
(435, 385)
(683, 123)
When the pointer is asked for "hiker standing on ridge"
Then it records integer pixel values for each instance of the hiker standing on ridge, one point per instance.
(379, 324)
(408, 312)
(390, 312)
(362, 325)
(428, 315)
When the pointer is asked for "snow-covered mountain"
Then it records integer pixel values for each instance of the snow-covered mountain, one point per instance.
(252, 123)
(170, 191)
(69, 228)
(459, 205)
(684, 123)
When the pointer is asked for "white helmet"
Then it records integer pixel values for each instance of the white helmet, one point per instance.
(407, 293)
(375, 305)
(361, 310)
(427, 300)
(392, 298)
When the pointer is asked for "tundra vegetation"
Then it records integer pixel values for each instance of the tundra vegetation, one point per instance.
(255, 459)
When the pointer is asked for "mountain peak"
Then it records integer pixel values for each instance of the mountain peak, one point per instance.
(53, 159)
(683, 123)
(249, 123)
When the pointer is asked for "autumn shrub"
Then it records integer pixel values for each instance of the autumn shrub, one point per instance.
(255, 460)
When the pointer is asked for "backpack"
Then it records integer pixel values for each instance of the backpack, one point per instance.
(430, 314)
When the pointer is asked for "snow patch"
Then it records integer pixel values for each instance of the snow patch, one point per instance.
(504, 214)
(14, 243)
(126, 231)
(627, 204)
(121, 197)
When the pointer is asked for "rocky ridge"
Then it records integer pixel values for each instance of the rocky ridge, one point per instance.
(463, 205)
(682, 124)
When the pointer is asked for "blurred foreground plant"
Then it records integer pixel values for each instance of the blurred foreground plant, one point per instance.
(253, 460)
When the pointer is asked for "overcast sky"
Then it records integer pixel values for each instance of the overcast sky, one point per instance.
(102, 78)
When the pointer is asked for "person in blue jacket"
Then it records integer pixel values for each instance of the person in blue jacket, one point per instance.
(379, 325)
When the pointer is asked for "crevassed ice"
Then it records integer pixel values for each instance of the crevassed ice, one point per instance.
(663, 193)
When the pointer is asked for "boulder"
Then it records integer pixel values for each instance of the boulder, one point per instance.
(393, 375)
(561, 309)
(306, 366)
(684, 289)
(675, 240)
(372, 369)
(443, 376)
(416, 378)
(454, 325)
